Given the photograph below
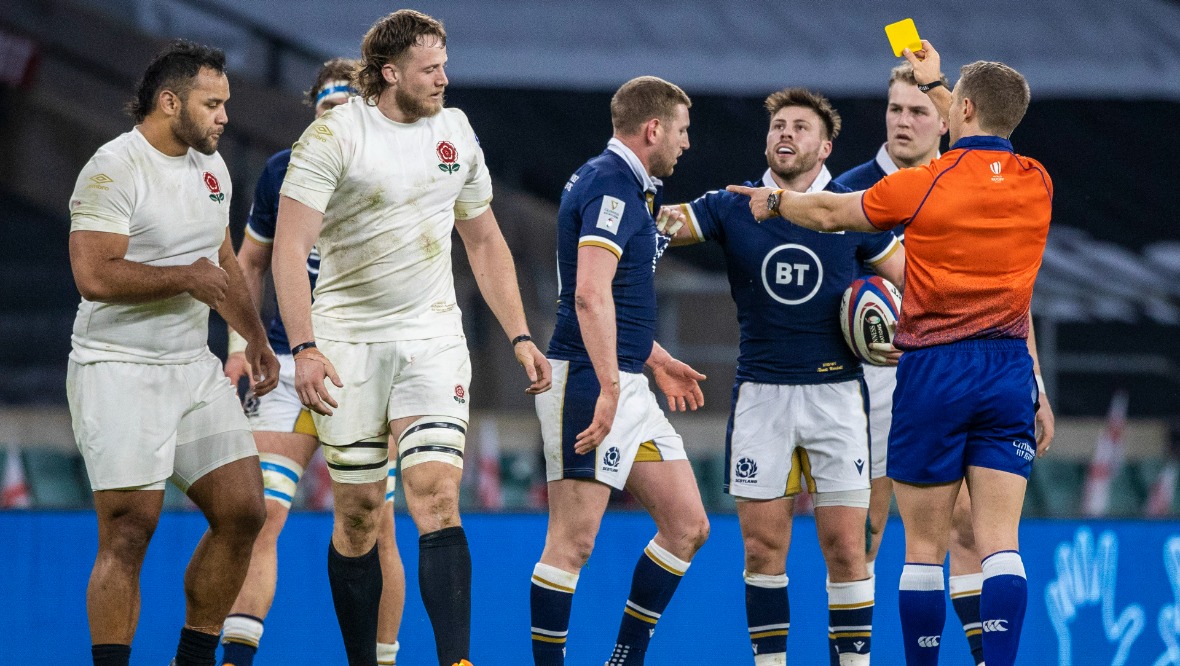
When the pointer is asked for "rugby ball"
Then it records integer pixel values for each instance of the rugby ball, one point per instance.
(868, 314)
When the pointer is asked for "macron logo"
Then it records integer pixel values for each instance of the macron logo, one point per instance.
(928, 641)
(995, 625)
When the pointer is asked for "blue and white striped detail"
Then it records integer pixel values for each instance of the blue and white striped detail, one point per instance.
(280, 477)
(339, 87)
(391, 482)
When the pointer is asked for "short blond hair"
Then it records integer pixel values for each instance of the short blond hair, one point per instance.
(643, 98)
(904, 73)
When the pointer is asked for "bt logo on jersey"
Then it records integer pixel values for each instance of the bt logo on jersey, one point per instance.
(785, 273)
(792, 274)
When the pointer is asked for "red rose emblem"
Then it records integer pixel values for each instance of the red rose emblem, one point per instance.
(211, 183)
(458, 391)
(446, 152)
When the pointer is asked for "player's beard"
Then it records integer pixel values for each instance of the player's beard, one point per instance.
(803, 163)
(192, 134)
(416, 107)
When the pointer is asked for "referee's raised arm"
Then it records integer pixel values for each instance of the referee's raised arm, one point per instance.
(927, 66)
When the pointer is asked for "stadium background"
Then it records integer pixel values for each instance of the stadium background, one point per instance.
(535, 78)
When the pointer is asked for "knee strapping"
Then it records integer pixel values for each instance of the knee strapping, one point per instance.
(853, 498)
(433, 438)
(280, 477)
(362, 462)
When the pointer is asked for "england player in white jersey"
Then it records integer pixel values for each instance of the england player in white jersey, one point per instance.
(151, 253)
(283, 429)
(378, 185)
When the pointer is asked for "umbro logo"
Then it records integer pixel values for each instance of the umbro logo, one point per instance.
(860, 466)
(928, 641)
(995, 625)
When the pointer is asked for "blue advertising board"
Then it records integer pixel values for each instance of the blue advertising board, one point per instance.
(1100, 592)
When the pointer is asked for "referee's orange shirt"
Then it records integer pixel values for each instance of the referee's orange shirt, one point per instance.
(976, 221)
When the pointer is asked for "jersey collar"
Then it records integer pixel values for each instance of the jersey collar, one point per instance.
(983, 142)
(886, 162)
(821, 180)
(619, 148)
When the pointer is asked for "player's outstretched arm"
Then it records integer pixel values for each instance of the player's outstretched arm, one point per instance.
(296, 231)
(928, 69)
(241, 314)
(102, 274)
(1045, 419)
(821, 211)
(595, 305)
(495, 274)
(679, 382)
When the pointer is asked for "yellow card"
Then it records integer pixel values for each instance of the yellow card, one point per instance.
(903, 35)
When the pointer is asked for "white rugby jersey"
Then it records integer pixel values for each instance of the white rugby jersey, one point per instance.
(174, 211)
(390, 193)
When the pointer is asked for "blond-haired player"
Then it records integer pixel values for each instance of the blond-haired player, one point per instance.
(283, 428)
(378, 185)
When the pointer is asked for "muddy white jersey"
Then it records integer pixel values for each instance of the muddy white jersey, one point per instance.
(390, 193)
(174, 210)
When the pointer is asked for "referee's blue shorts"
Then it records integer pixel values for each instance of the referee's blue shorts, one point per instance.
(968, 403)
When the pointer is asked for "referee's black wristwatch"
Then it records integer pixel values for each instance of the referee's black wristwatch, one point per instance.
(520, 338)
(927, 87)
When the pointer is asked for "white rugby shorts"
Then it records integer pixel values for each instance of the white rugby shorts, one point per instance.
(384, 381)
(782, 436)
(280, 410)
(881, 381)
(134, 422)
(641, 432)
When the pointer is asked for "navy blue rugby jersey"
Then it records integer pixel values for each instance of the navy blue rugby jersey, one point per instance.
(864, 176)
(609, 203)
(260, 225)
(787, 282)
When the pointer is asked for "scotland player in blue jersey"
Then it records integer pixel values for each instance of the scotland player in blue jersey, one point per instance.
(283, 430)
(799, 410)
(601, 425)
(913, 131)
